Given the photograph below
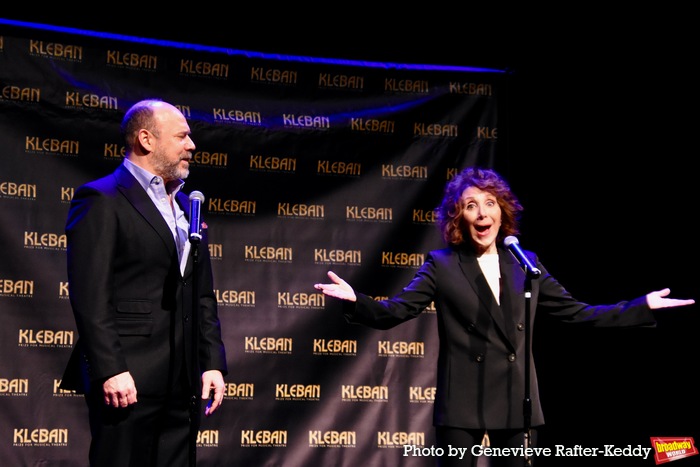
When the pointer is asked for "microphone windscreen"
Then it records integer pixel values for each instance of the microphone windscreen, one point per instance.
(510, 240)
(197, 195)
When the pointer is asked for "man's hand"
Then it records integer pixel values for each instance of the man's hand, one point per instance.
(120, 390)
(212, 380)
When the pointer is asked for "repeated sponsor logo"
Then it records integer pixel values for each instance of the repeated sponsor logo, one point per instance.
(423, 216)
(267, 254)
(404, 172)
(239, 391)
(56, 51)
(332, 439)
(232, 207)
(44, 241)
(297, 392)
(208, 159)
(10, 92)
(35, 437)
(401, 259)
(335, 347)
(79, 100)
(338, 168)
(373, 125)
(264, 438)
(51, 146)
(421, 394)
(66, 194)
(363, 393)
(260, 163)
(63, 290)
(300, 211)
(113, 151)
(451, 173)
(216, 251)
(301, 300)
(19, 191)
(16, 288)
(325, 256)
(408, 86)
(236, 116)
(401, 349)
(207, 438)
(442, 130)
(341, 81)
(203, 69)
(235, 298)
(45, 338)
(397, 439)
(314, 122)
(14, 387)
(369, 214)
(268, 345)
(267, 75)
(185, 110)
(58, 392)
(487, 133)
(131, 60)
(471, 89)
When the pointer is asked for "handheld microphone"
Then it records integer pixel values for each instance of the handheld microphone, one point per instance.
(513, 245)
(196, 200)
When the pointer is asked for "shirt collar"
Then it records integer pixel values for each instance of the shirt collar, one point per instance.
(146, 178)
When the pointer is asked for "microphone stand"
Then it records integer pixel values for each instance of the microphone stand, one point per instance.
(194, 384)
(527, 402)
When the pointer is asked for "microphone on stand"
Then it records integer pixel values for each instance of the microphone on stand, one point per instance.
(196, 200)
(513, 245)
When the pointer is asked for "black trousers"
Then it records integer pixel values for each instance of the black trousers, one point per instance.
(154, 432)
(459, 443)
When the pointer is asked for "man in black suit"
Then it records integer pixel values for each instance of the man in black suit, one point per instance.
(143, 370)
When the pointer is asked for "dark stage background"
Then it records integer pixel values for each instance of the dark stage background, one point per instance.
(594, 136)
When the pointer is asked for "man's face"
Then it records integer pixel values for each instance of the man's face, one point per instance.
(173, 145)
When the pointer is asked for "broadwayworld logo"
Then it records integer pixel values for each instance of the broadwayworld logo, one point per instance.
(671, 449)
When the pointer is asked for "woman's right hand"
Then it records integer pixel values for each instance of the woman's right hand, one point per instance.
(338, 289)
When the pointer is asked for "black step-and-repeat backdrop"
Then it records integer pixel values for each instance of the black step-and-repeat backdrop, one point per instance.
(306, 166)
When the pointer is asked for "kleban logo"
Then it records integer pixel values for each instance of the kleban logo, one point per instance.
(672, 449)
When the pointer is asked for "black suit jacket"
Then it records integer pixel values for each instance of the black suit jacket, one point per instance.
(481, 371)
(132, 306)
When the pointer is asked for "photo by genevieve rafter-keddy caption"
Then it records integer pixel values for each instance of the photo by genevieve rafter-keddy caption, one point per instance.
(662, 450)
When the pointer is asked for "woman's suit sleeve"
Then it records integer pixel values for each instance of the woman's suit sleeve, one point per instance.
(406, 305)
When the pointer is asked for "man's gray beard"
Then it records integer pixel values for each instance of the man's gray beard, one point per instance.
(167, 171)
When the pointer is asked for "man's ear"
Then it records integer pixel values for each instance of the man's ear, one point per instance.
(146, 139)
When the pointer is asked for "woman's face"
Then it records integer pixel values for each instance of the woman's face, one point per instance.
(482, 218)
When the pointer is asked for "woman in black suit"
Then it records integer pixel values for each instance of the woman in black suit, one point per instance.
(478, 288)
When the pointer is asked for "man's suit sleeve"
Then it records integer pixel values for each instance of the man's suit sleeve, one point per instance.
(90, 231)
(212, 353)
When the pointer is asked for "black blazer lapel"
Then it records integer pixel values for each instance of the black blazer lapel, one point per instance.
(475, 276)
(134, 192)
